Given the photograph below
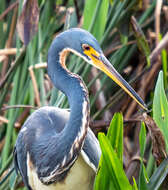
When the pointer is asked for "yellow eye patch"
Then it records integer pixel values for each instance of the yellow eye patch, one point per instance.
(91, 53)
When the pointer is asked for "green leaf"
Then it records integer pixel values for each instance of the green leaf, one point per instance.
(101, 19)
(159, 175)
(160, 108)
(102, 177)
(113, 164)
(142, 139)
(135, 187)
(143, 180)
(115, 134)
(95, 17)
(88, 12)
(12, 180)
(151, 164)
(164, 63)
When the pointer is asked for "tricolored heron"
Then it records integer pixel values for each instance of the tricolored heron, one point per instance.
(55, 149)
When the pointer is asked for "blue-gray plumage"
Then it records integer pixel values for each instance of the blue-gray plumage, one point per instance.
(46, 120)
(55, 149)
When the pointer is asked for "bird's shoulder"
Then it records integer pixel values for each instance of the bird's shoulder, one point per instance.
(46, 118)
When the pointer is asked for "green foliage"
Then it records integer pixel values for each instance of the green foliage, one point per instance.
(160, 105)
(115, 135)
(95, 17)
(142, 174)
(165, 67)
(142, 178)
(160, 115)
(112, 152)
(12, 180)
(110, 173)
(158, 176)
(113, 164)
(142, 140)
(135, 187)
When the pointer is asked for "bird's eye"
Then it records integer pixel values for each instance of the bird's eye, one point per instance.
(86, 47)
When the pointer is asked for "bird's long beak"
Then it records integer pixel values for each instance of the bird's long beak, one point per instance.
(104, 65)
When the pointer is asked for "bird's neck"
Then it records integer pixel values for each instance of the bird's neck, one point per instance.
(74, 88)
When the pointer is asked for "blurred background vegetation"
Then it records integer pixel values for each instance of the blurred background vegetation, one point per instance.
(134, 37)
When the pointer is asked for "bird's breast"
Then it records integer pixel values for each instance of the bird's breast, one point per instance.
(80, 176)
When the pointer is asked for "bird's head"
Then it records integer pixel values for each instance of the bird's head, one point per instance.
(85, 45)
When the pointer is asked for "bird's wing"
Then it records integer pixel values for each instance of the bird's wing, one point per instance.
(91, 150)
(35, 136)
(32, 139)
(20, 161)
